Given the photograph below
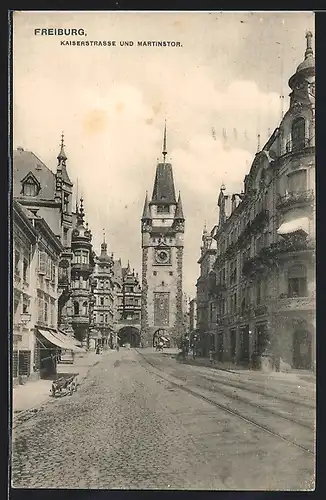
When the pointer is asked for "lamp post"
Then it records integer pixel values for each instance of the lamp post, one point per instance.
(92, 283)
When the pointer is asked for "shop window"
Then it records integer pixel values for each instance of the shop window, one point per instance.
(298, 134)
(24, 363)
(297, 281)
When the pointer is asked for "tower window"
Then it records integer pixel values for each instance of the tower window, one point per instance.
(163, 209)
(65, 236)
(298, 134)
(171, 273)
(66, 202)
(154, 273)
(102, 301)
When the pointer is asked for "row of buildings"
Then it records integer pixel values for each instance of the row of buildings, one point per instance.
(255, 297)
(65, 296)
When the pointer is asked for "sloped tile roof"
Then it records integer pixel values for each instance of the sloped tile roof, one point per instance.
(25, 162)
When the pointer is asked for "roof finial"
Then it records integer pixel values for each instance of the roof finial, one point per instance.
(77, 197)
(309, 51)
(258, 143)
(164, 152)
(104, 236)
(62, 154)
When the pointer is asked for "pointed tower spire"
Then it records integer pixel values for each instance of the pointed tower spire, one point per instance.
(309, 51)
(146, 210)
(258, 143)
(62, 155)
(179, 210)
(164, 152)
(81, 213)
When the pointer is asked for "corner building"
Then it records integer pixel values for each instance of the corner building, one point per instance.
(162, 227)
(265, 264)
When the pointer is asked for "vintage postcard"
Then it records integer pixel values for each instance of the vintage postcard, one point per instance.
(163, 250)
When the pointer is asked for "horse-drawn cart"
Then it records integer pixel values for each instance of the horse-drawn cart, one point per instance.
(65, 384)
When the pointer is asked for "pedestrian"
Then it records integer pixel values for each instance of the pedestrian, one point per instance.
(211, 355)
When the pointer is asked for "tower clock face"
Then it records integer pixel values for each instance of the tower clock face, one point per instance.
(162, 256)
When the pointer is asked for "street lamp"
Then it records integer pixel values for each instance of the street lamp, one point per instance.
(25, 318)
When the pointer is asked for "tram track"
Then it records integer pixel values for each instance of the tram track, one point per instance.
(178, 382)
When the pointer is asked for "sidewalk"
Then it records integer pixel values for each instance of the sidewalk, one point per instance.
(293, 375)
(34, 394)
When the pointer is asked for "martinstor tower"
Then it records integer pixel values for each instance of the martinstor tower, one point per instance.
(162, 227)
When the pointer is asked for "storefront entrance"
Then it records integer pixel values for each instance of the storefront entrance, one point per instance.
(302, 349)
(244, 345)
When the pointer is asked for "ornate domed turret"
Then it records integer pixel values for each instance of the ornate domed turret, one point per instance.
(307, 67)
(104, 257)
(81, 232)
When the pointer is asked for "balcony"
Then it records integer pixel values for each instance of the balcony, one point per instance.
(76, 266)
(298, 147)
(81, 319)
(288, 304)
(295, 198)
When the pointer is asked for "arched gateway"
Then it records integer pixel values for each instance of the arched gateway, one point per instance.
(129, 335)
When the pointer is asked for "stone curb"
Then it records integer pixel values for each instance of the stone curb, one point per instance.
(22, 416)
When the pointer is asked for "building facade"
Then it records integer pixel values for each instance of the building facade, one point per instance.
(82, 285)
(162, 228)
(265, 263)
(37, 253)
(205, 297)
(128, 304)
(104, 303)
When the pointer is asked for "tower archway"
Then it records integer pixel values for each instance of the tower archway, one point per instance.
(129, 335)
(160, 333)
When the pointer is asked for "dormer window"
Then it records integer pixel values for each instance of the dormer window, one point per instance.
(30, 185)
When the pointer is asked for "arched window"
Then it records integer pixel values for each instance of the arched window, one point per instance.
(297, 281)
(298, 134)
(76, 308)
(85, 308)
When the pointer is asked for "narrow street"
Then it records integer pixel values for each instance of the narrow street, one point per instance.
(142, 420)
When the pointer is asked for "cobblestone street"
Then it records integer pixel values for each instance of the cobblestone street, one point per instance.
(141, 420)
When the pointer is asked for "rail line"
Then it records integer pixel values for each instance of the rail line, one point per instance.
(234, 413)
(250, 386)
(261, 392)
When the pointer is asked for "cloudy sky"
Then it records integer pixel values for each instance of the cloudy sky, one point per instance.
(217, 91)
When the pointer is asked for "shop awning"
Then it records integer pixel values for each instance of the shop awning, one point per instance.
(54, 338)
(69, 340)
(294, 226)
